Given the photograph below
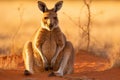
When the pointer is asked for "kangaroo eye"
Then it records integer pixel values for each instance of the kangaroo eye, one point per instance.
(45, 17)
(55, 17)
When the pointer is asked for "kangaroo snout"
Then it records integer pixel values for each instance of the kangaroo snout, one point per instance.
(50, 26)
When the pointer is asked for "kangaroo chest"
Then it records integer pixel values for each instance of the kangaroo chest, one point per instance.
(49, 46)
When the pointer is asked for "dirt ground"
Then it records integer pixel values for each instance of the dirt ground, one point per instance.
(87, 67)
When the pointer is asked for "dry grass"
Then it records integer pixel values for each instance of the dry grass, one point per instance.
(11, 62)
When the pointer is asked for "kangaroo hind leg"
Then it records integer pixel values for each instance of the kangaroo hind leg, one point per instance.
(66, 63)
(28, 58)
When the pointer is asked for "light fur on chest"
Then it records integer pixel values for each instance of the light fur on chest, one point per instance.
(49, 41)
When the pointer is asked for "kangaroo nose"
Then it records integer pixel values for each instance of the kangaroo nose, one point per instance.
(50, 26)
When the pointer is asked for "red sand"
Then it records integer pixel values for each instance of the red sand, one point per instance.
(87, 67)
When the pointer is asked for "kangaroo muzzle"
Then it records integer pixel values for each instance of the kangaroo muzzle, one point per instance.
(51, 26)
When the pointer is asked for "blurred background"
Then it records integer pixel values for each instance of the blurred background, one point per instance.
(19, 20)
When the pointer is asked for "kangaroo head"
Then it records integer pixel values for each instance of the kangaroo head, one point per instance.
(49, 18)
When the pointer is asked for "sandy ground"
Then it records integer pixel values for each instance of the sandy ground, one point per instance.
(87, 67)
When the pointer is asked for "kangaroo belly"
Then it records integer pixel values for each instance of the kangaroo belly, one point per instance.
(49, 49)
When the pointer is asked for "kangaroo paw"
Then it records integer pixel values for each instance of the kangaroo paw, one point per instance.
(46, 68)
(26, 72)
(55, 74)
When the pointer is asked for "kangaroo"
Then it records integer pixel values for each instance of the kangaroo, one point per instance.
(49, 49)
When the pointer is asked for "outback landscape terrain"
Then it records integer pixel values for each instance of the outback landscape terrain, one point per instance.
(20, 19)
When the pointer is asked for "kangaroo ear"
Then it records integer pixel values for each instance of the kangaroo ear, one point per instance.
(58, 6)
(42, 6)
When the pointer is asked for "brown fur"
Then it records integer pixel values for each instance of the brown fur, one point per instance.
(49, 49)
